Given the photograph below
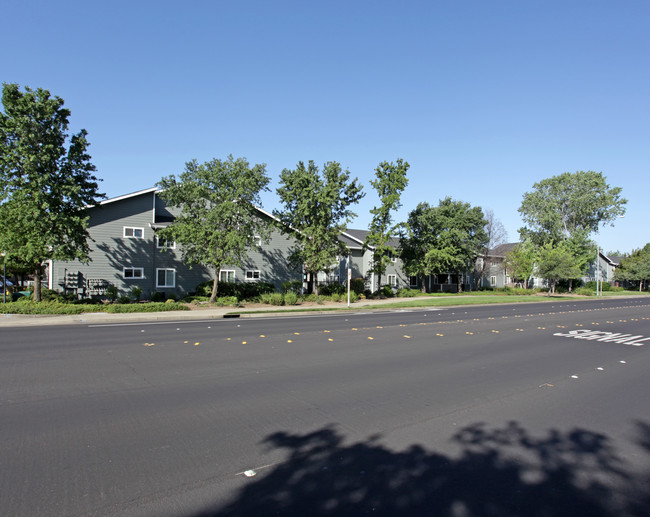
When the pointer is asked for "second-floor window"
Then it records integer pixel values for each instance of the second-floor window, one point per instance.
(252, 275)
(132, 232)
(162, 243)
(132, 273)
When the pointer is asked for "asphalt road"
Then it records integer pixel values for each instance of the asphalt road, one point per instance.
(493, 410)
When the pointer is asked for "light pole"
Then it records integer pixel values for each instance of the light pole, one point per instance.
(4, 278)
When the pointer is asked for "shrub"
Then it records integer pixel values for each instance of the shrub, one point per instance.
(242, 290)
(604, 286)
(157, 297)
(136, 292)
(112, 293)
(224, 301)
(387, 291)
(277, 298)
(354, 297)
(336, 297)
(407, 292)
(585, 291)
(294, 286)
(49, 295)
(290, 298)
(357, 285)
(124, 299)
(330, 289)
(146, 307)
(30, 307)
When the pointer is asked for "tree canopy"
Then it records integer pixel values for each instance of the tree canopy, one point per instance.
(520, 262)
(635, 268)
(390, 181)
(567, 205)
(46, 180)
(316, 209)
(443, 239)
(218, 217)
(555, 263)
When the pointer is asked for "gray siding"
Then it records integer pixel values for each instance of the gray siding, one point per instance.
(111, 252)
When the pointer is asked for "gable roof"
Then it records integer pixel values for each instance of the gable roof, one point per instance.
(502, 249)
(358, 237)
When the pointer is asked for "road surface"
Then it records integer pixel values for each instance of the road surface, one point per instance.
(535, 409)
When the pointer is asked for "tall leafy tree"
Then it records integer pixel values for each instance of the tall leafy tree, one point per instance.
(635, 267)
(520, 262)
(218, 217)
(390, 181)
(567, 209)
(443, 239)
(46, 179)
(318, 207)
(555, 263)
(567, 205)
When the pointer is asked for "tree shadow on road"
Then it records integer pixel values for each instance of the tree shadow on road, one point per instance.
(499, 472)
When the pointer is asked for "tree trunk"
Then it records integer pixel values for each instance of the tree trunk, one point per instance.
(37, 284)
(379, 284)
(314, 283)
(423, 287)
(215, 287)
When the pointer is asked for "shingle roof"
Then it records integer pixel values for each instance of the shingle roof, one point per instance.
(502, 249)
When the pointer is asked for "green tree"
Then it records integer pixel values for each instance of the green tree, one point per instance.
(520, 262)
(635, 267)
(218, 219)
(316, 209)
(555, 263)
(443, 239)
(572, 203)
(567, 209)
(390, 181)
(46, 180)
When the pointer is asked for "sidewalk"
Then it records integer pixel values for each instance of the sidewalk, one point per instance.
(95, 318)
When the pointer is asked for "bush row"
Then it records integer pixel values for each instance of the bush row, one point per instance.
(27, 306)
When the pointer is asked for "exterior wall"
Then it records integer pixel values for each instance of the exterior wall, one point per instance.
(112, 251)
(607, 270)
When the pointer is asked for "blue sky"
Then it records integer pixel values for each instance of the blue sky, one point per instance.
(482, 98)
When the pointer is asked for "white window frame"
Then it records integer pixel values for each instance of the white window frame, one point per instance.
(392, 257)
(227, 273)
(252, 277)
(394, 282)
(133, 232)
(165, 269)
(257, 241)
(162, 243)
(133, 270)
(493, 281)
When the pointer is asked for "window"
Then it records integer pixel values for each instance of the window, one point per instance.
(413, 281)
(493, 281)
(133, 233)
(132, 273)
(257, 240)
(392, 280)
(165, 278)
(227, 275)
(392, 257)
(252, 275)
(162, 243)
